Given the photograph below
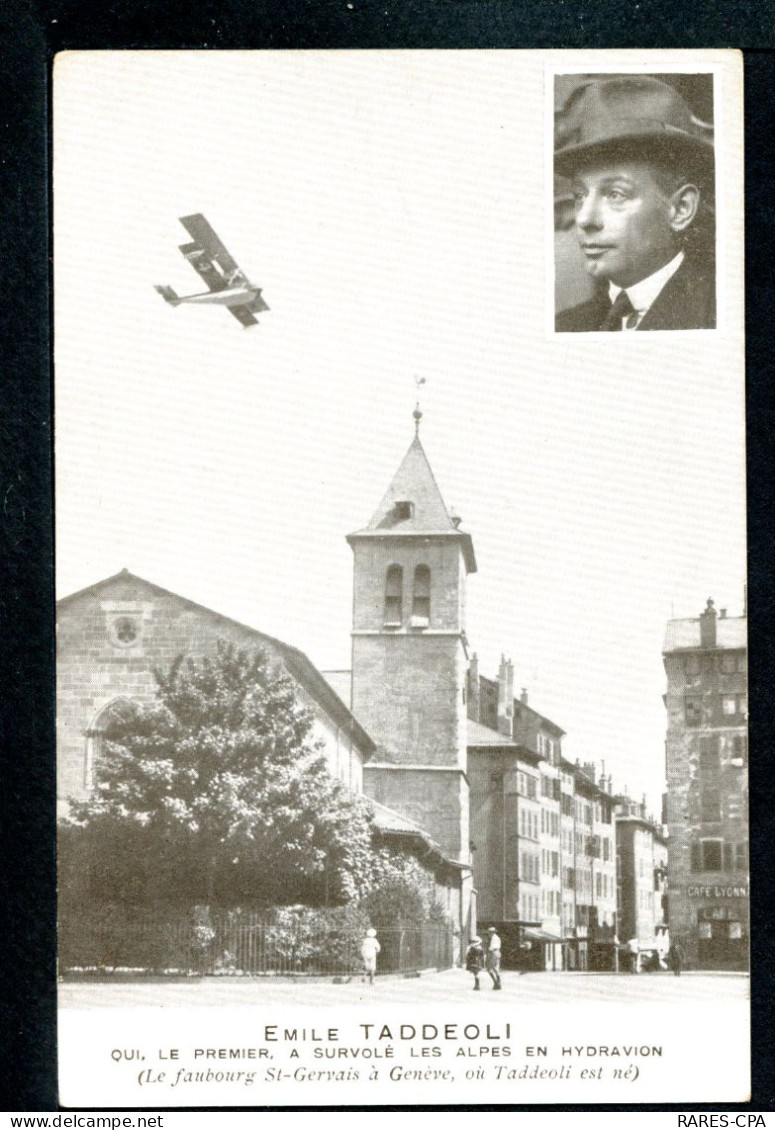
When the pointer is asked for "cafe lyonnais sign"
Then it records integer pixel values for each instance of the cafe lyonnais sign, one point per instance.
(714, 891)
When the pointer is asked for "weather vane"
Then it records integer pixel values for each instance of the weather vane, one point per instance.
(419, 381)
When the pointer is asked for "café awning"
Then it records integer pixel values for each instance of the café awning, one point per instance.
(533, 934)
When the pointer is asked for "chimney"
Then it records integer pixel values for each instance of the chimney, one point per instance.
(523, 696)
(474, 690)
(506, 697)
(589, 770)
(708, 626)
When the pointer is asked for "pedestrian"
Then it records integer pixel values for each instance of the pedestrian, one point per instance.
(633, 951)
(475, 960)
(675, 957)
(494, 957)
(641, 170)
(370, 947)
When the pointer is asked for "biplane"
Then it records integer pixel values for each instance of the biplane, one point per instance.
(227, 284)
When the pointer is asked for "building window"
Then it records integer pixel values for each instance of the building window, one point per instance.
(692, 664)
(710, 805)
(105, 726)
(125, 630)
(693, 711)
(394, 583)
(421, 597)
(709, 759)
(711, 855)
(734, 705)
(740, 748)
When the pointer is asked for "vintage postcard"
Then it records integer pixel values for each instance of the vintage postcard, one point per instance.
(401, 679)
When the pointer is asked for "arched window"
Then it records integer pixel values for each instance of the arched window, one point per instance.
(99, 732)
(394, 584)
(421, 597)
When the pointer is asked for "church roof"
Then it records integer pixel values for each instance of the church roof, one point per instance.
(392, 823)
(296, 663)
(423, 511)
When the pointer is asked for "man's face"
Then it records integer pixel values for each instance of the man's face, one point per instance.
(623, 221)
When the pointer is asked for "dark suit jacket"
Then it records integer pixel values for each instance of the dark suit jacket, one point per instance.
(686, 302)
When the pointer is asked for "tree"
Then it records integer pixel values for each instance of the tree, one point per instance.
(217, 793)
(401, 890)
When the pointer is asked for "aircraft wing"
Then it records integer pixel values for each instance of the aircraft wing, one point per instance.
(207, 254)
(243, 314)
(257, 305)
(204, 266)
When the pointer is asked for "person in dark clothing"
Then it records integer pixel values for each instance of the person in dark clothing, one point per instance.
(641, 172)
(475, 960)
(675, 957)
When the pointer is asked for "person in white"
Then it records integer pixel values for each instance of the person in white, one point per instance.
(633, 950)
(370, 947)
(494, 957)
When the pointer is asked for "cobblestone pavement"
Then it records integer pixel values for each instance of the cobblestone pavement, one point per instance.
(430, 988)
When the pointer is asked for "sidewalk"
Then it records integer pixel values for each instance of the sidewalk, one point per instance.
(439, 988)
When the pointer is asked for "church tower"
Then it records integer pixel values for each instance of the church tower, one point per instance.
(409, 652)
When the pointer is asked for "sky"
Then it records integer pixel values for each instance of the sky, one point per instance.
(395, 207)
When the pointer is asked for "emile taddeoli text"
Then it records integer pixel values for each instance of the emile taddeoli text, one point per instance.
(379, 1041)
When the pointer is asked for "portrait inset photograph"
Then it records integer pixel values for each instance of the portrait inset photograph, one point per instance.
(634, 202)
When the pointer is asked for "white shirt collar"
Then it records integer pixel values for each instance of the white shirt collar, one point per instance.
(642, 295)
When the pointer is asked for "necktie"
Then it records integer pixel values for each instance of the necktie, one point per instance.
(622, 308)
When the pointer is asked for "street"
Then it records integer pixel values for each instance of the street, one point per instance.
(430, 988)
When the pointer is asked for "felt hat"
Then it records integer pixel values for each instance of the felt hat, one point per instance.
(371, 933)
(630, 116)
(490, 929)
(474, 940)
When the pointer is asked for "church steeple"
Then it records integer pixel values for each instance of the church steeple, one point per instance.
(412, 505)
(409, 657)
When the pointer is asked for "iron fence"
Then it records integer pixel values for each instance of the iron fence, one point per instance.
(243, 944)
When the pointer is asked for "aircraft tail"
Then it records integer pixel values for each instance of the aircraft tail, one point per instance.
(168, 294)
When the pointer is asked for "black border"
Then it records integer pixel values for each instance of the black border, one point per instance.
(31, 36)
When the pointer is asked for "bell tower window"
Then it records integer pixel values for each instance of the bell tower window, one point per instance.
(421, 597)
(394, 583)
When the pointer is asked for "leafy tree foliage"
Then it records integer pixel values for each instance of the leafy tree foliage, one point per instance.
(401, 891)
(218, 793)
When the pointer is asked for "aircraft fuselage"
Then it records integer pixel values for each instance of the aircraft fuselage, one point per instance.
(231, 296)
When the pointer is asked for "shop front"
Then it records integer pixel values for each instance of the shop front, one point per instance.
(722, 937)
